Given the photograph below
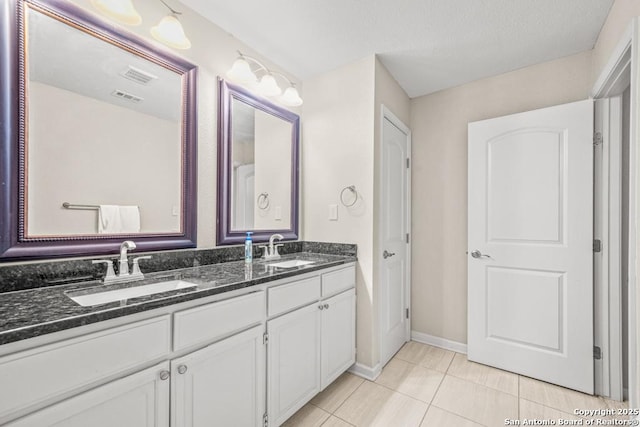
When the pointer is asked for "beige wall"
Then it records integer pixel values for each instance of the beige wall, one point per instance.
(620, 16)
(340, 148)
(439, 180)
(337, 151)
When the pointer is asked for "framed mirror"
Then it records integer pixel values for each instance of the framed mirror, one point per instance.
(98, 136)
(258, 172)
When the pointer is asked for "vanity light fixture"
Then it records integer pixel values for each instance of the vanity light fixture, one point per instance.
(169, 30)
(267, 85)
(122, 11)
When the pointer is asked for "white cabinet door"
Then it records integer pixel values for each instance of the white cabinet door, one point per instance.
(338, 336)
(294, 361)
(222, 384)
(139, 400)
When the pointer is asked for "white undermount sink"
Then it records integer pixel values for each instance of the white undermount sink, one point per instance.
(132, 292)
(290, 264)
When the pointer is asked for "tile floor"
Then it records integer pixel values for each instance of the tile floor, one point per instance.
(424, 386)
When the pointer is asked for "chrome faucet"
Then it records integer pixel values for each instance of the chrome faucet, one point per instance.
(271, 251)
(123, 266)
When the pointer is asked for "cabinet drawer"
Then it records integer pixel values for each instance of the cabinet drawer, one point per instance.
(55, 371)
(140, 399)
(338, 281)
(206, 323)
(296, 294)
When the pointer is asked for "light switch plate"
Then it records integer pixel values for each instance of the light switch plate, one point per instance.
(333, 212)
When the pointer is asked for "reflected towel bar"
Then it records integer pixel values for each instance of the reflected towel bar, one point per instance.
(68, 205)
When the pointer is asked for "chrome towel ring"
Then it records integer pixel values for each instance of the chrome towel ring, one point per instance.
(354, 195)
(263, 201)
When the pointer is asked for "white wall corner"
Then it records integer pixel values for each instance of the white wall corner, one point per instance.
(365, 371)
(446, 344)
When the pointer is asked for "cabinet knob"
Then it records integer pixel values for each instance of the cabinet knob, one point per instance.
(182, 369)
(326, 306)
(321, 307)
(164, 375)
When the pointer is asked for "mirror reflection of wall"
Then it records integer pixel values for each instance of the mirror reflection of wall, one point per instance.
(273, 172)
(104, 128)
(261, 177)
(243, 158)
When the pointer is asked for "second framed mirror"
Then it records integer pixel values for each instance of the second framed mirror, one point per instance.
(258, 172)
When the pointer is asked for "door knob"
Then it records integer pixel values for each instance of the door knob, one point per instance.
(164, 375)
(182, 369)
(478, 254)
(386, 254)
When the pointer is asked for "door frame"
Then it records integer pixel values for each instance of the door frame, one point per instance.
(387, 114)
(607, 281)
(621, 71)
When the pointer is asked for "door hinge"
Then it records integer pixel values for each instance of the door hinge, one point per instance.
(265, 420)
(597, 138)
(597, 353)
(408, 163)
(265, 338)
(407, 312)
(407, 237)
(597, 245)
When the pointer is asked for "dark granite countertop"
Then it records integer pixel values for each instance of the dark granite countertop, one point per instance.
(34, 312)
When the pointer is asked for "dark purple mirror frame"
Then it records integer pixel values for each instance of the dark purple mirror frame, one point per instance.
(14, 242)
(225, 235)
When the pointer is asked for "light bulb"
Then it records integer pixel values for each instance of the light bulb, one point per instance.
(268, 86)
(118, 10)
(170, 32)
(241, 72)
(291, 97)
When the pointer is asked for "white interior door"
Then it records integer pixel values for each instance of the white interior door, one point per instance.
(394, 227)
(530, 260)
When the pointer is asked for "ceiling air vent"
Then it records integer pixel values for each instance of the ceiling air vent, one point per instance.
(137, 75)
(126, 96)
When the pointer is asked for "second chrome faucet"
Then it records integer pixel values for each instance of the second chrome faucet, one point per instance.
(271, 251)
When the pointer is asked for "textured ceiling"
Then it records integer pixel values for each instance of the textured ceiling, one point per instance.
(427, 45)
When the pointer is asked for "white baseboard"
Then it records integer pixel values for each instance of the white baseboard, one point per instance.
(456, 346)
(366, 372)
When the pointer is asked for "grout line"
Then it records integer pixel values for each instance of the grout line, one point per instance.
(450, 362)
(347, 398)
(403, 394)
(424, 415)
(341, 419)
(458, 415)
(551, 407)
(437, 389)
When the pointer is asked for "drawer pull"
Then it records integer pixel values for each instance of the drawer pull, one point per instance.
(321, 307)
(164, 375)
(326, 306)
(182, 369)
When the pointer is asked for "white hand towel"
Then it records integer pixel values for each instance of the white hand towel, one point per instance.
(130, 219)
(114, 219)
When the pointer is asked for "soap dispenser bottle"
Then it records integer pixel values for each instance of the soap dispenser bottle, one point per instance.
(248, 248)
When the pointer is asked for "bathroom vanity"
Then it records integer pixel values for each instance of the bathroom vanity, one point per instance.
(247, 346)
